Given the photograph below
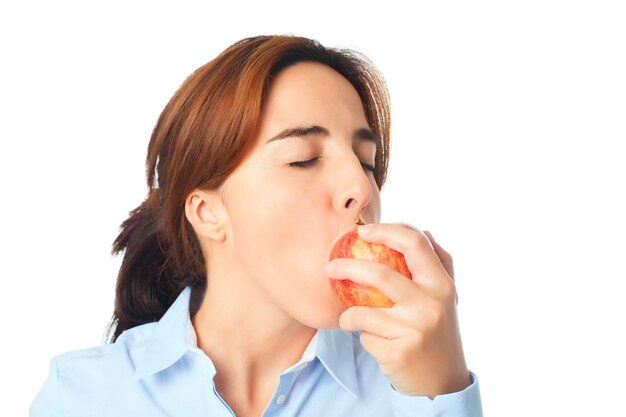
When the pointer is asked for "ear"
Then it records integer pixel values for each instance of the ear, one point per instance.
(206, 212)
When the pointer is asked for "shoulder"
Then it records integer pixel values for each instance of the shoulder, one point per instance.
(84, 377)
(114, 360)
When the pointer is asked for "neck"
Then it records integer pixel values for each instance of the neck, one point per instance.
(249, 339)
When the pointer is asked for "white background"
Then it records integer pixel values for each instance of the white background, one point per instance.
(509, 125)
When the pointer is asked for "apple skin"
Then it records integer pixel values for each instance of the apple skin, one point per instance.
(351, 293)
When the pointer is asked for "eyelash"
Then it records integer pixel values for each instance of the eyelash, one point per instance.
(304, 164)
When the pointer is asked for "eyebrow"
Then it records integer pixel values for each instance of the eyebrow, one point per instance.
(316, 130)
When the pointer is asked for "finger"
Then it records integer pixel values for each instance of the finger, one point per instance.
(387, 351)
(444, 257)
(418, 252)
(389, 281)
(414, 228)
(378, 321)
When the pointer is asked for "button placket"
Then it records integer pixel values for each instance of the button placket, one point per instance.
(284, 386)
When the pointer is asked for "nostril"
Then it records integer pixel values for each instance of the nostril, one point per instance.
(349, 203)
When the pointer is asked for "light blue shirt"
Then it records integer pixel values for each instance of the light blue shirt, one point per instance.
(156, 369)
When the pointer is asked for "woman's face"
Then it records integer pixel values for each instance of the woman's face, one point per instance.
(284, 218)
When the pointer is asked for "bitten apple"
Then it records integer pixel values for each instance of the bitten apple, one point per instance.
(351, 293)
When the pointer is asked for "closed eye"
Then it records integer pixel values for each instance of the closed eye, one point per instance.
(303, 164)
(310, 162)
(369, 167)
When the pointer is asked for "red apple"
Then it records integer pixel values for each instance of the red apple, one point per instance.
(350, 293)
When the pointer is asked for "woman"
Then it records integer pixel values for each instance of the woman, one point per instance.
(261, 160)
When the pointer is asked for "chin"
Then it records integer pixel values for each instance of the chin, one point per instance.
(324, 324)
(326, 317)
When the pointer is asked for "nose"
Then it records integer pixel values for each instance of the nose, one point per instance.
(354, 189)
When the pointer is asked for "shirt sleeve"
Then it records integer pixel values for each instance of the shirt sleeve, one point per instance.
(47, 401)
(466, 403)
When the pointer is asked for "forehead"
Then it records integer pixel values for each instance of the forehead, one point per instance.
(310, 91)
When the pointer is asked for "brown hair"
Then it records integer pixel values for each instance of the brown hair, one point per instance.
(201, 136)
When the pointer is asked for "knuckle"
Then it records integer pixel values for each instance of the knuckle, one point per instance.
(416, 338)
(418, 240)
(399, 358)
(404, 354)
(448, 290)
(383, 274)
(359, 317)
(435, 314)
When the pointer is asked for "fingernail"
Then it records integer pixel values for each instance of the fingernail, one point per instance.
(363, 230)
(330, 267)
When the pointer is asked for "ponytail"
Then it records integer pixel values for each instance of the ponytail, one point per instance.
(148, 281)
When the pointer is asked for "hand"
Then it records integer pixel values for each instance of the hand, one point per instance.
(417, 342)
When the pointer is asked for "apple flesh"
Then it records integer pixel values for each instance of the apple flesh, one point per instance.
(351, 293)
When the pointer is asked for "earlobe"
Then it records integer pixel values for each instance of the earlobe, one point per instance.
(202, 209)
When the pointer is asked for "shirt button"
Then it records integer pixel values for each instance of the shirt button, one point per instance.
(280, 399)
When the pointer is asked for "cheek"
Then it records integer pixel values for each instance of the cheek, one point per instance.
(284, 249)
(283, 220)
(276, 231)
(292, 233)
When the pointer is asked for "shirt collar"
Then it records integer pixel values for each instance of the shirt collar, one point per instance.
(335, 351)
(169, 340)
(174, 335)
